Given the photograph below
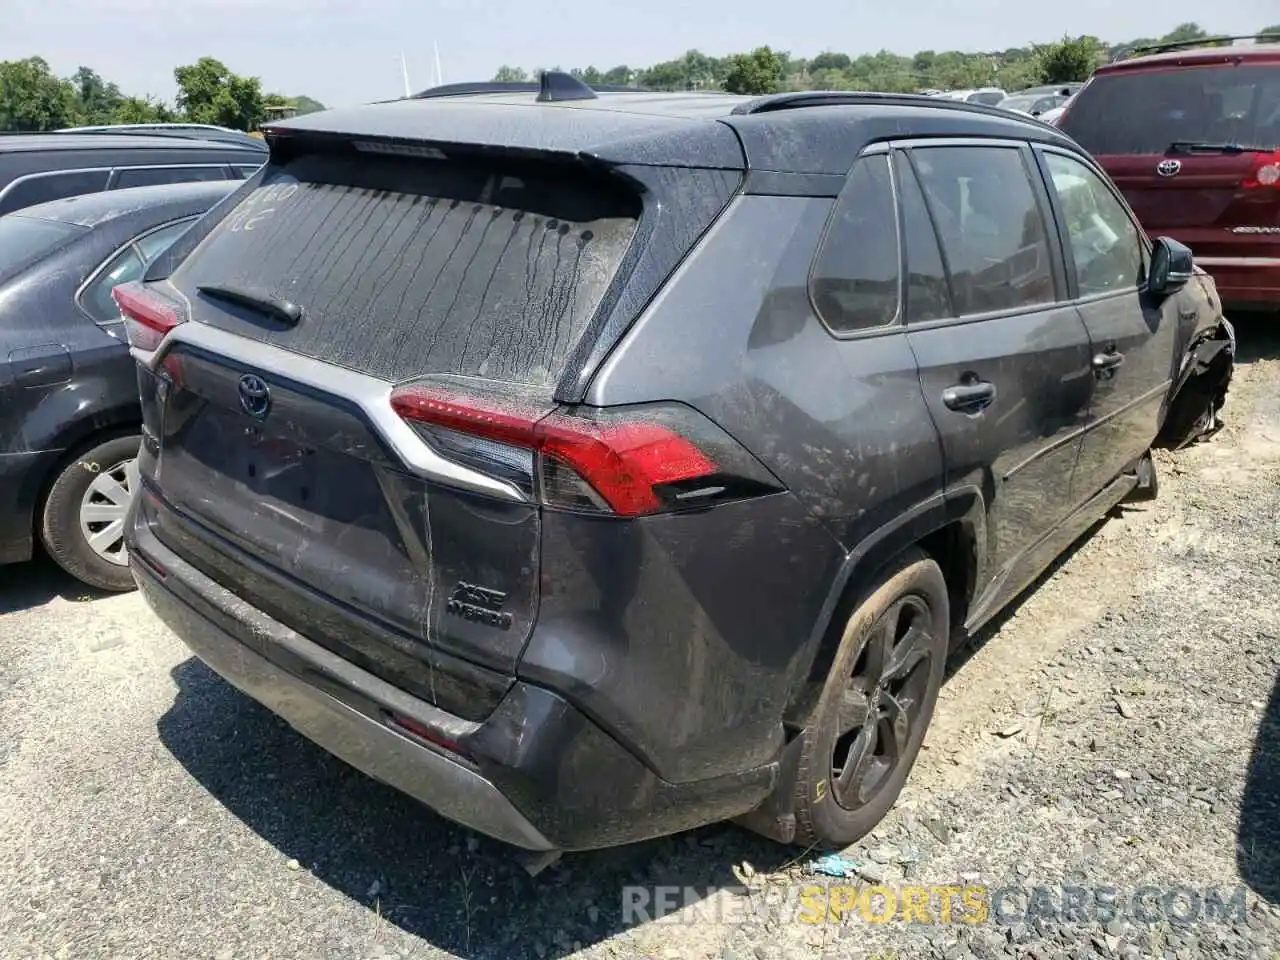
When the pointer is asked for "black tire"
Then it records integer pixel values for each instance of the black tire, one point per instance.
(914, 583)
(1148, 487)
(61, 531)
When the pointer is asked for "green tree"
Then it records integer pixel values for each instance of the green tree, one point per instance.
(307, 105)
(668, 75)
(829, 79)
(1068, 60)
(1183, 32)
(620, 75)
(210, 93)
(96, 100)
(829, 61)
(758, 72)
(32, 98)
(1270, 34)
(140, 110)
(508, 74)
(590, 76)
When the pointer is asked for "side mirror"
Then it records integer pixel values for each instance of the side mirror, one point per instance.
(1172, 267)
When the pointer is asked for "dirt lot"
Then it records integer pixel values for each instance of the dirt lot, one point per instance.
(1120, 729)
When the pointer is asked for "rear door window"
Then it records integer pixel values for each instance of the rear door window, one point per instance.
(96, 299)
(154, 176)
(928, 295)
(24, 240)
(1145, 111)
(156, 242)
(406, 267)
(992, 229)
(855, 278)
(126, 265)
(52, 186)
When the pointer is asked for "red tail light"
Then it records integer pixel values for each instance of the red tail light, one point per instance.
(1265, 172)
(623, 461)
(147, 315)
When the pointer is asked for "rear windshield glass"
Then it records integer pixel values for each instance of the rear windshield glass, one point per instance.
(405, 267)
(24, 240)
(1144, 111)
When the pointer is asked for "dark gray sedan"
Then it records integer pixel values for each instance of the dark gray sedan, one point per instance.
(69, 414)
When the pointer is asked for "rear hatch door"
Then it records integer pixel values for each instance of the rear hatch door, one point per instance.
(1184, 144)
(340, 275)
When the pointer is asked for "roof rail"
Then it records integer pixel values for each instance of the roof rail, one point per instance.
(205, 135)
(847, 98)
(516, 86)
(1207, 42)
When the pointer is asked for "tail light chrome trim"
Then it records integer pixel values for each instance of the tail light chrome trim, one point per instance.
(371, 395)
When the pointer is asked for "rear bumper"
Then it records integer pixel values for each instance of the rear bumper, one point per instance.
(536, 774)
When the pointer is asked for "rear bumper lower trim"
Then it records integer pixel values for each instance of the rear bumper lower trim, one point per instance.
(449, 787)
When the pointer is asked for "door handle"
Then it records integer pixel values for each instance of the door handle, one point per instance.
(969, 397)
(41, 366)
(1106, 364)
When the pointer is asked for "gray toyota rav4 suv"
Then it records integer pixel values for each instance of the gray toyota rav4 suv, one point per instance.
(595, 465)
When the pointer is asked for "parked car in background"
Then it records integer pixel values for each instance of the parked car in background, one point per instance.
(1192, 138)
(188, 131)
(1033, 104)
(1053, 116)
(987, 96)
(69, 413)
(1063, 89)
(606, 474)
(35, 168)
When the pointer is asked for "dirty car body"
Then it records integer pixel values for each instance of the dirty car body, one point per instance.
(66, 377)
(528, 454)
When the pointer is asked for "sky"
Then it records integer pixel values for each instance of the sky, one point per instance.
(348, 51)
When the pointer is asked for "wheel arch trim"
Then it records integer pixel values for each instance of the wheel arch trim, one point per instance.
(965, 505)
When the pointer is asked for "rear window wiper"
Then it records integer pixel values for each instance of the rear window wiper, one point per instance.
(281, 309)
(1205, 146)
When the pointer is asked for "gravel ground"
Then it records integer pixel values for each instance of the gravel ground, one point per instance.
(1120, 729)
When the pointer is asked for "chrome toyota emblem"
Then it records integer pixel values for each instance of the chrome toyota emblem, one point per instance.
(255, 397)
(1169, 168)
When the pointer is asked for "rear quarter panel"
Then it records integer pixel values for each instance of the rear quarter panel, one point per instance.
(841, 423)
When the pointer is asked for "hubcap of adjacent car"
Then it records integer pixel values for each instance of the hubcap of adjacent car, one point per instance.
(881, 703)
(103, 508)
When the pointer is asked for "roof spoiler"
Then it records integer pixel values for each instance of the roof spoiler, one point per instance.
(1207, 42)
(552, 86)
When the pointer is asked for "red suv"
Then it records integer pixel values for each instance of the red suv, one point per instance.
(1192, 138)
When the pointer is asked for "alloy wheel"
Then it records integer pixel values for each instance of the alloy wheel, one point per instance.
(881, 704)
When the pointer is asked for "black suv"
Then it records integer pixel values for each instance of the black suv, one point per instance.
(39, 167)
(592, 466)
